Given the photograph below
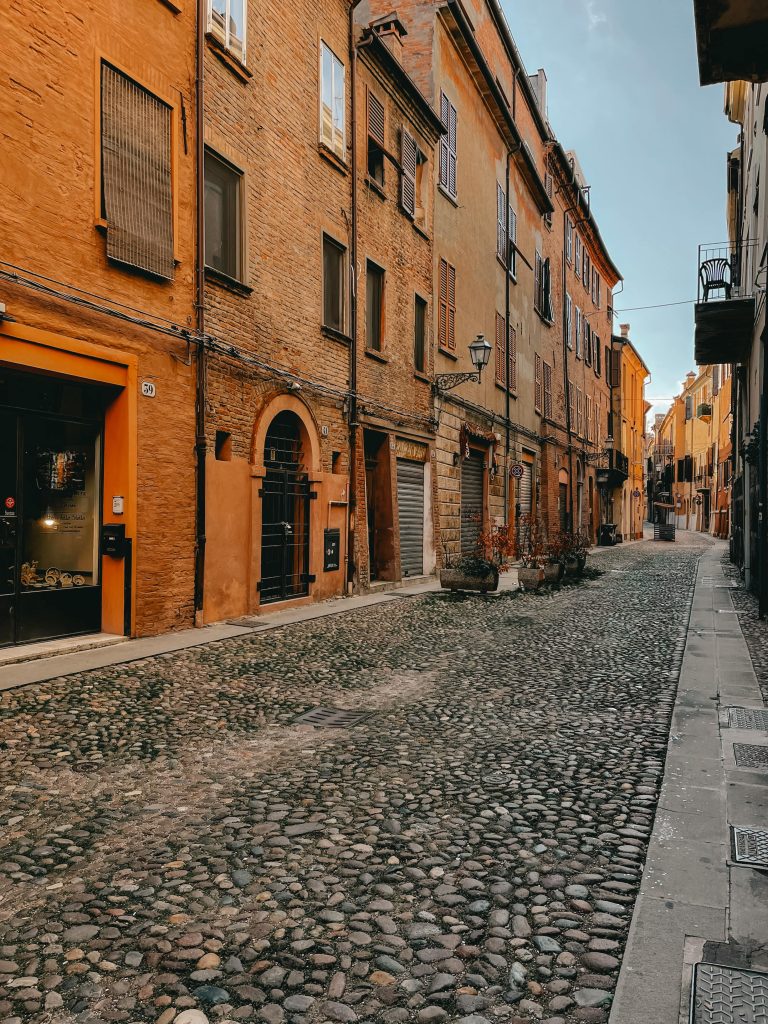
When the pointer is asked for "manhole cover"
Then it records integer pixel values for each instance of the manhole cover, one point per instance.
(747, 718)
(331, 718)
(724, 994)
(750, 846)
(749, 755)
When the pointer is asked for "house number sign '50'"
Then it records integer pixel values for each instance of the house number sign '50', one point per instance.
(148, 389)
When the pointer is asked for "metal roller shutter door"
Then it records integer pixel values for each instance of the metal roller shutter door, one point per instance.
(525, 492)
(471, 502)
(410, 507)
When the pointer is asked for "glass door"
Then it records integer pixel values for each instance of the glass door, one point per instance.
(8, 527)
(59, 592)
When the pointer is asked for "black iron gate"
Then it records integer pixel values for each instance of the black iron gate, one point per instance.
(285, 513)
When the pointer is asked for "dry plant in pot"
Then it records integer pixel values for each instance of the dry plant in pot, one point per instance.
(575, 549)
(480, 571)
(531, 550)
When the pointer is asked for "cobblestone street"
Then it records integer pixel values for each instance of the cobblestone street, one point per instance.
(173, 845)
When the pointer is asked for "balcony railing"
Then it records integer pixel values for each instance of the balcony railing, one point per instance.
(704, 411)
(725, 310)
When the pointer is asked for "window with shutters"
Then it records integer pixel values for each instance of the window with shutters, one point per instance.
(568, 320)
(577, 253)
(223, 226)
(589, 429)
(501, 224)
(578, 330)
(537, 384)
(512, 342)
(448, 146)
(585, 266)
(608, 363)
(572, 405)
(598, 355)
(568, 239)
(547, 374)
(136, 174)
(542, 289)
(715, 381)
(501, 351)
(227, 21)
(376, 140)
(615, 368)
(595, 287)
(587, 342)
(689, 407)
(374, 307)
(512, 242)
(334, 284)
(332, 102)
(420, 334)
(410, 201)
(548, 188)
(537, 275)
(579, 412)
(446, 327)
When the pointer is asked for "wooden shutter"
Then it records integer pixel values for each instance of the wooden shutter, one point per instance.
(501, 222)
(568, 320)
(445, 117)
(451, 336)
(537, 284)
(608, 364)
(615, 369)
(537, 397)
(376, 119)
(598, 354)
(577, 253)
(578, 333)
(452, 149)
(548, 190)
(500, 353)
(136, 174)
(590, 436)
(442, 329)
(409, 154)
(572, 405)
(548, 391)
(579, 412)
(512, 335)
(546, 291)
(715, 381)
(587, 343)
(511, 240)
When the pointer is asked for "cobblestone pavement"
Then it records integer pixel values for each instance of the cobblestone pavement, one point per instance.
(173, 847)
(755, 632)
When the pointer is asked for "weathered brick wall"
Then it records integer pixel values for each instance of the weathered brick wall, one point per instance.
(49, 198)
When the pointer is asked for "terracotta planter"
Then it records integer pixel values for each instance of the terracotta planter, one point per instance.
(455, 579)
(530, 578)
(553, 572)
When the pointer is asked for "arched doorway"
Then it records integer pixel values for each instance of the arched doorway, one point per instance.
(285, 511)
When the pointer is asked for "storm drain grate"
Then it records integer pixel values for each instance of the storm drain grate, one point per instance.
(722, 995)
(326, 717)
(750, 846)
(747, 718)
(749, 755)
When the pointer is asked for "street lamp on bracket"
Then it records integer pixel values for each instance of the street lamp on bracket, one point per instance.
(480, 352)
(595, 458)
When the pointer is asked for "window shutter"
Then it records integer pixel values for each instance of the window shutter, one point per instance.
(568, 320)
(537, 384)
(376, 119)
(442, 330)
(136, 174)
(512, 333)
(547, 391)
(681, 471)
(512, 240)
(501, 222)
(445, 117)
(577, 332)
(579, 412)
(587, 343)
(598, 356)
(537, 284)
(452, 150)
(548, 189)
(500, 353)
(572, 405)
(615, 369)
(549, 313)
(451, 337)
(715, 381)
(408, 157)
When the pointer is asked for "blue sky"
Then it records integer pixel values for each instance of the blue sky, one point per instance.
(624, 93)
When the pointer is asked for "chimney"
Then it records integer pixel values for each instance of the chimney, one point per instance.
(624, 328)
(390, 31)
(539, 86)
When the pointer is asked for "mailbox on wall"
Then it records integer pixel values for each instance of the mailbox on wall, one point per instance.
(113, 540)
(332, 550)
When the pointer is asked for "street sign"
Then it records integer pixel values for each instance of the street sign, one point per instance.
(517, 471)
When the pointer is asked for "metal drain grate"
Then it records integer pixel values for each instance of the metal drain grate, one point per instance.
(750, 846)
(747, 718)
(326, 717)
(749, 755)
(722, 995)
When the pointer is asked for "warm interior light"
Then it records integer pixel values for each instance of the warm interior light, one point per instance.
(48, 518)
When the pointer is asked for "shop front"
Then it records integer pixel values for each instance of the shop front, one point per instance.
(58, 432)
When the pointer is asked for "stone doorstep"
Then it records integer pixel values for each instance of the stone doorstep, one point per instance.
(53, 648)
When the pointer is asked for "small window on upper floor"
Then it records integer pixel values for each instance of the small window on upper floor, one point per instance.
(334, 284)
(227, 22)
(376, 139)
(223, 218)
(332, 102)
(448, 146)
(374, 307)
(420, 334)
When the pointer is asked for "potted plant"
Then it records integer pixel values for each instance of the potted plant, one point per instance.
(554, 567)
(531, 552)
(480, 571)
(575, 548)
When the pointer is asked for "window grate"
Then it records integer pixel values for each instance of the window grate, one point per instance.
(327, 717)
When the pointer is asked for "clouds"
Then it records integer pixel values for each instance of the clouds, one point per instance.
(595, 16)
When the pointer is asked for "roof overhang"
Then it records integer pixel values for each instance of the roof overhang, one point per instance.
(732, 40)
(724, 331)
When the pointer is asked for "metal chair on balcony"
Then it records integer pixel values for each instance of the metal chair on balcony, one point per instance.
(715, 275)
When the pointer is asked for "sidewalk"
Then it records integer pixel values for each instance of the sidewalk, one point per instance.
(695, 903)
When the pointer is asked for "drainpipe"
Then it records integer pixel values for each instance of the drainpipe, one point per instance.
(353, 424)
(201, 375)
